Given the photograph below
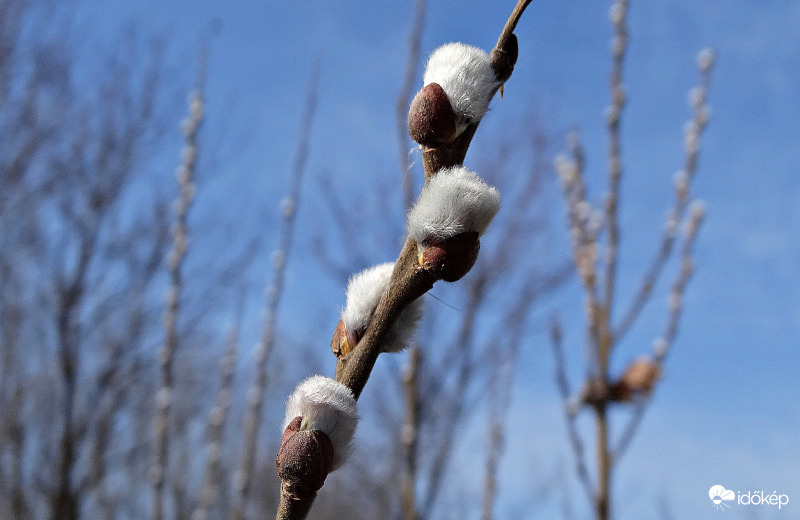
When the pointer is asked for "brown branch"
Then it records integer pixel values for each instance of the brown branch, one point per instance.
(602, 496)
(454, 412)
(409, 280)
(603, 312)
(410, 430)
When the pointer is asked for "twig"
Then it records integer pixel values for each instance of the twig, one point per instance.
(462, 346)
(410, 432)
(216, 422)
(663, 344)
(404, 99)
(584, 228)
(409, 281)
(605, 341)
(289, 207)
(176, 257)
(556, 339)
(619, 13)
(682, 184)
(514, 328)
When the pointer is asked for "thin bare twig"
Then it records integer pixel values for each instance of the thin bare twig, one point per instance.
(556, 339)
(404, 99)
(216, 421)
(462, 347)
(281, 255)
(683, 181)
(618, 17)
(663, 344)
(514, 327)
(165, 393)
(410, 432)
(604, 337)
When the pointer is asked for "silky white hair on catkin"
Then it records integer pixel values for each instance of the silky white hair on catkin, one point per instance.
(465, 74)
(328, 406)
(364, 291)
(455, 201)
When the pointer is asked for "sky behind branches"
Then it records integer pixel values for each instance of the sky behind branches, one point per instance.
(727, 411)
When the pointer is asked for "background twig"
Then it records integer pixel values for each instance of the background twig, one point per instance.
(280, 257)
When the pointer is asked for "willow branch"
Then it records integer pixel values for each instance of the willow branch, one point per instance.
(216, 423)
(618, 15)
(683, 180)
(256, 392)
(177, 255)
(404, 99)
(514, 328)
(409, 280)
(556, 339)
(584, 227)
(410, 432)
(663, 344)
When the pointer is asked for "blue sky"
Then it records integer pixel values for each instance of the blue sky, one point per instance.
(727, 410)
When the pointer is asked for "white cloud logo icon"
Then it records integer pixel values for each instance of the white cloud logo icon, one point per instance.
(719, 495)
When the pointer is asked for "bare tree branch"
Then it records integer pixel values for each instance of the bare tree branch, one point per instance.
(165, 394)
(256, 393)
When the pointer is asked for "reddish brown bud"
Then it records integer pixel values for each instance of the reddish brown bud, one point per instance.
(304, 460)
(504, 57)
(339, 344)
(450, 259)
(431, 120)
(639, 378)
(344, 340)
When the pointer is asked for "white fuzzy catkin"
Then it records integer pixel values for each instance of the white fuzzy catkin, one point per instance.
(364, 291)
(455, 201)
(465, 74)
(327, 406)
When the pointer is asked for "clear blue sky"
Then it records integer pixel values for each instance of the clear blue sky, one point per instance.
(727, 411)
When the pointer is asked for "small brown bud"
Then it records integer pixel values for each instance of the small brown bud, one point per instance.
(304, 460)
(450, 259)
(638, 379)
(343, 341)
(504, 58)
(431, 120)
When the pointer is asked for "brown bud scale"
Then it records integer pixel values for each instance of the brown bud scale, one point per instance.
(339, 344)
(431, 120)
(451, 259)
(304, 460)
